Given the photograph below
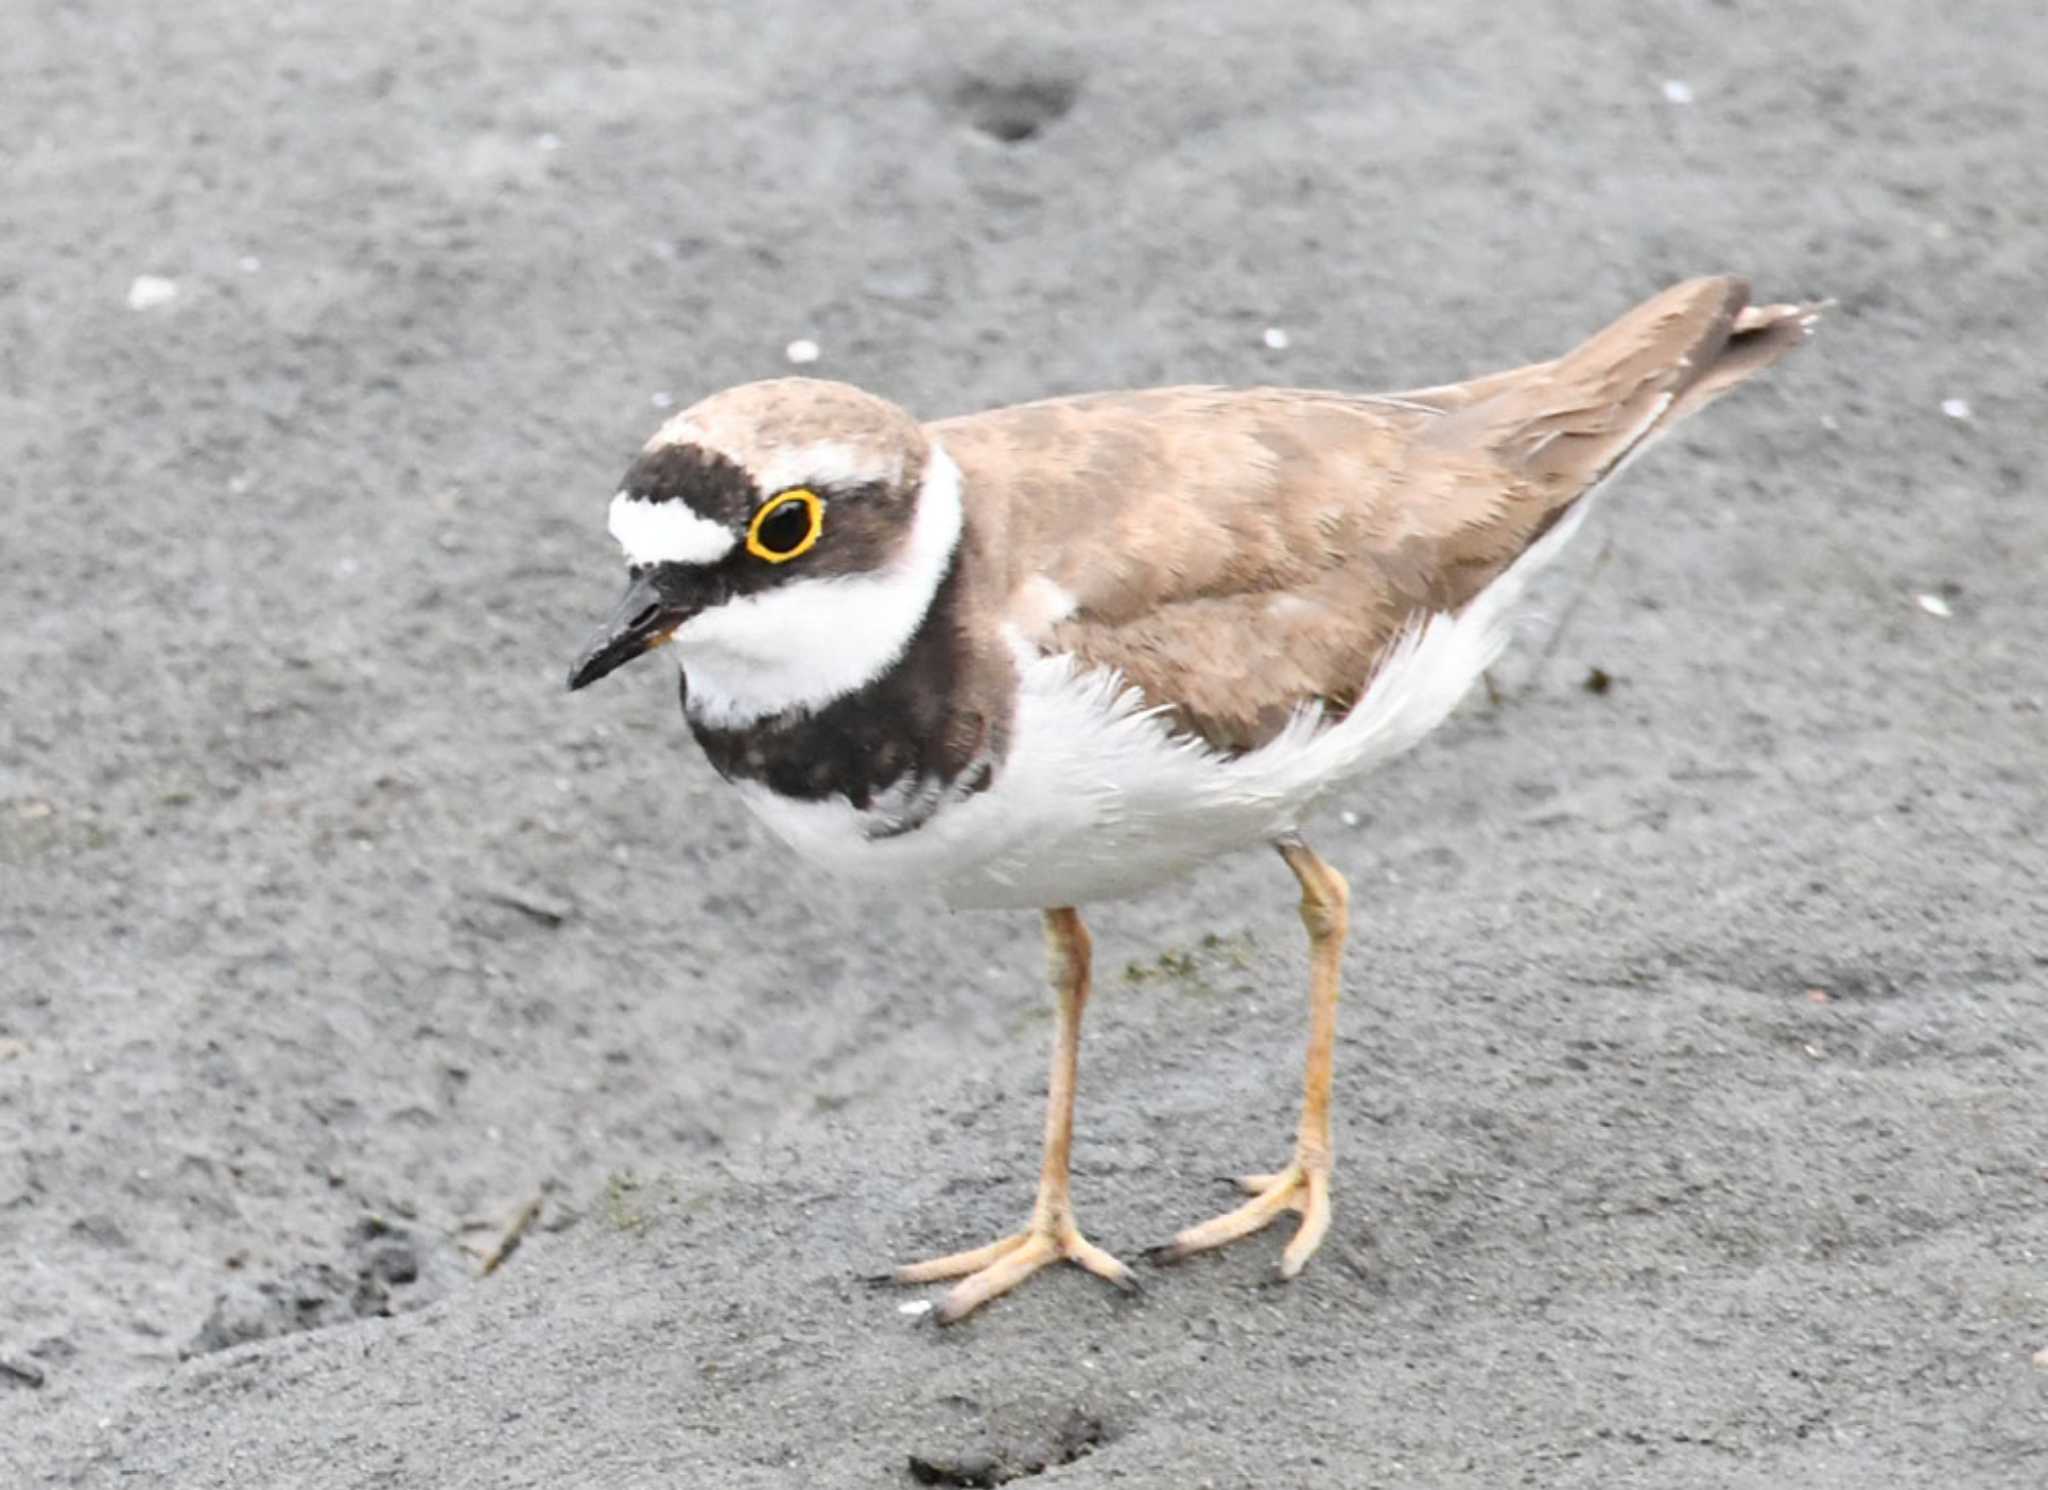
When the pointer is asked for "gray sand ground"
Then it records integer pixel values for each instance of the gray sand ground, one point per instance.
(1692, 1078)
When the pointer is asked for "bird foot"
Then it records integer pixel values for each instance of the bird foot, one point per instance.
(1302, 1186)
(999, 1267)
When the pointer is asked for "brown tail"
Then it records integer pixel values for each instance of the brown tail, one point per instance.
(1760, 336)
(1571, 422)
(1576, 419)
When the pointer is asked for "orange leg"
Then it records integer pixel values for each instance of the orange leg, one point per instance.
(1304, 1185)
(1051, 1234)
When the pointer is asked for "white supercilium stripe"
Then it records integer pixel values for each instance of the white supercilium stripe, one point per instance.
(667, 533)
(805, 642)
(828, 463)
(823, 463)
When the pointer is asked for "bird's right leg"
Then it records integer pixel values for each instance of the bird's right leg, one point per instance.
(1304, 1185)
(1051, 1234)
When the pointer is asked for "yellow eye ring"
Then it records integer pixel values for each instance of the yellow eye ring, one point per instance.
(775, 508)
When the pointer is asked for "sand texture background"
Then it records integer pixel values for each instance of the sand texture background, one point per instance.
(1692, 1088)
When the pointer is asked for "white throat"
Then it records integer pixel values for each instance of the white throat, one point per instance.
(803, 644)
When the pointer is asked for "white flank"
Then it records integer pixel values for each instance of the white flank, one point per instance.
(1097, 799)
(806, 642)
(667, 533)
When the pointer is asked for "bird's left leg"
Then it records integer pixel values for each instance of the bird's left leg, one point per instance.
(1304, 1185)
(1051, 1233)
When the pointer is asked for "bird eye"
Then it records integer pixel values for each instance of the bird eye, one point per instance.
(786, 526)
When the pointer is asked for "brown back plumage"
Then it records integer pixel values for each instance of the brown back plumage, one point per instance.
(1237, 554)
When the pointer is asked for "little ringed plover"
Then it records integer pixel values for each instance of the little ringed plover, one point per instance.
(1062, 652)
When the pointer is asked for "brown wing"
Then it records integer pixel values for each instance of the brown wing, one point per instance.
(1237, 554)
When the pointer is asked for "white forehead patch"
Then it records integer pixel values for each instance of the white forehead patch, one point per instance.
(667, 533)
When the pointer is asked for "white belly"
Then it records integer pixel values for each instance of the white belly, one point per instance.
(1097, 799)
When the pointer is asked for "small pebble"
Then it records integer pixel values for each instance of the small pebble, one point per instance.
(1956, 408)
(661, 399)
(20, 1373)
(1348, 818)
(1276, 340)
(915, 1307)
(1677, 91)
(150, 291)
(248, 263)
(1934, 605)
(801, 351)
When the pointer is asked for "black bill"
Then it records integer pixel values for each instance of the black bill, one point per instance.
(641, 622)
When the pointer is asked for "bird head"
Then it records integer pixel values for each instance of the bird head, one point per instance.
(784, 538)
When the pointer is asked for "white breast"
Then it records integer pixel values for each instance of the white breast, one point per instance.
(1097, 799)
